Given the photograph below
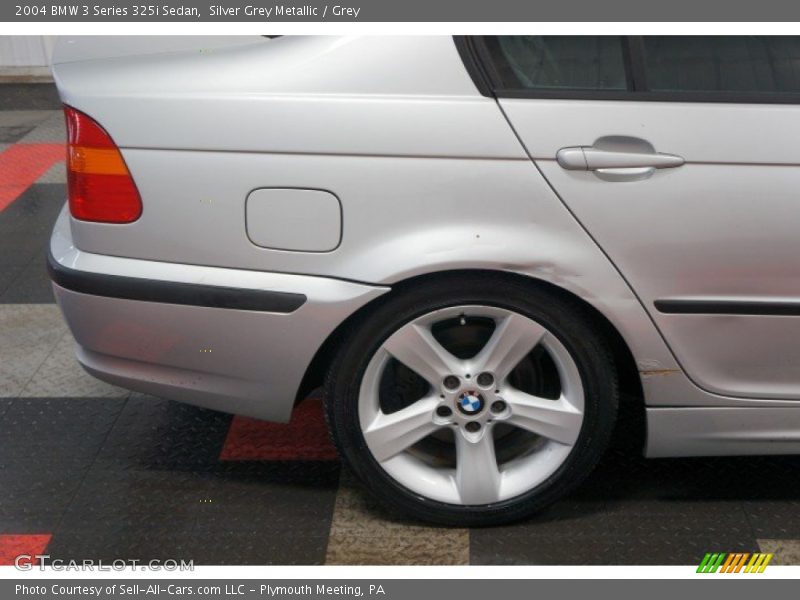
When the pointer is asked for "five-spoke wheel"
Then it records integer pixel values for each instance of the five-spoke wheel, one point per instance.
(472, 408)
(475, 397)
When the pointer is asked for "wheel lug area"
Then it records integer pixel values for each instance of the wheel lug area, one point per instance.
(472, 426)
(485, 379)
(498, 406)
(444, 411)
(452, 383)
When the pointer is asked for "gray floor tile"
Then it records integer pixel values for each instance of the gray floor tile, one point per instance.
(52, 129)
(61, 375)
(28, 334)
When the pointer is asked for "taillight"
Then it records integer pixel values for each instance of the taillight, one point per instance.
(100, 186)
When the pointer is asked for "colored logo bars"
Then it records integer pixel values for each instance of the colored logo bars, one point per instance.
(734, 562)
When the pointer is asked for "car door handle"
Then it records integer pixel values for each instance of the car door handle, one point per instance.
(588, 158)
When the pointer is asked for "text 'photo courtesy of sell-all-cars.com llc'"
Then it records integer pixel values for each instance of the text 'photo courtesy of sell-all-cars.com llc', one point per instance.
(401, 300)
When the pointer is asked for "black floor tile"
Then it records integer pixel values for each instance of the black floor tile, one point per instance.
(179, 540)
(278, 496)
(487, 547)
(35, 499)
(667, 519)
(8, 275)
(621, 476)
(25, 228)
(20, 249)
(778, 519)
(152, 433)
(31, 285)
(39, 432)
(568, 518)
(34, 211)
(679, 550)
(29, 96)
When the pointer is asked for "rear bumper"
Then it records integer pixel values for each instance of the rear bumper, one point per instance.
(233, 340)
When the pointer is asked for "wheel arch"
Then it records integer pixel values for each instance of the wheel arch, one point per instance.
(628, 374)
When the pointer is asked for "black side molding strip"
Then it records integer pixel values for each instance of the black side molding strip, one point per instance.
(721, 307)
(170, 292)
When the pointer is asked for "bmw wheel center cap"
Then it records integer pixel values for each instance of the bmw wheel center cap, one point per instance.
(470, 403)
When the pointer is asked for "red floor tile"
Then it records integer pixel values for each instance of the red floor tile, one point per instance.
(305, 437)
(12, 546)
(22, 164)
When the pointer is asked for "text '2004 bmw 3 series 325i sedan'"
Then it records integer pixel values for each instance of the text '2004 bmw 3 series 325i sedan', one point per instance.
(474, 244)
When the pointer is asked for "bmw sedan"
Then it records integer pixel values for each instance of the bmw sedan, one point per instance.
(476, 245)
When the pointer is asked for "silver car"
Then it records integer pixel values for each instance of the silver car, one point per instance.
(477, 245)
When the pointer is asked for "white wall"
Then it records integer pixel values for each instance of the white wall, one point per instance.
(26, 50)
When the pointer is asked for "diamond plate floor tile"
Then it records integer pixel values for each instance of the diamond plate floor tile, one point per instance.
(179, 540)
(545, 550)
(29, 97)
(152, 433)
(24, 118)
(13, 133)
(304, 437)
(19, 248)
(569, 518)
(21, 165)
(8, 275)
(35, 499)
(51, 129)
(28, 334)
(679, 550)
(57, 174)
(669, 518)
(364, 533)
(50, 431)
(61, 375)
(34, 212)
(271, 498)
(32, 285)
(786, 552)
(774, 519)
(26, 224)
(489, 549)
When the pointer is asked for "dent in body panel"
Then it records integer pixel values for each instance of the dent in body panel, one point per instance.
(402, 217)
(430, 175)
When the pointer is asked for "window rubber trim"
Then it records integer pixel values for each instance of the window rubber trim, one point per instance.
(473, 50)
(475, 67)
(171, 292)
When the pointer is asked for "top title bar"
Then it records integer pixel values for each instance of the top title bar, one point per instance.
(465, 11)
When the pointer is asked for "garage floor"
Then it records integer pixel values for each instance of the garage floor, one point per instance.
(88, 470)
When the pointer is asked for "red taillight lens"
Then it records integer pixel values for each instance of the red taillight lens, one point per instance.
(100, 186)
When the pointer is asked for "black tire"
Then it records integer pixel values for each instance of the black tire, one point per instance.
(567, 319)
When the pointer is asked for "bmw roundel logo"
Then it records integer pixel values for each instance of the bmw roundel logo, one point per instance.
(470, 403)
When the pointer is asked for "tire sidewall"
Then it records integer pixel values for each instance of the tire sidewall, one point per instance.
(567, 321)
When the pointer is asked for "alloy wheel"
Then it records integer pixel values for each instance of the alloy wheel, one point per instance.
(471, 405)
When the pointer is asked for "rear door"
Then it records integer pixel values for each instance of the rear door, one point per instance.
(681, 157)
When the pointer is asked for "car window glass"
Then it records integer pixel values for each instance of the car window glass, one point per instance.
(559, 62)
(724, 64)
